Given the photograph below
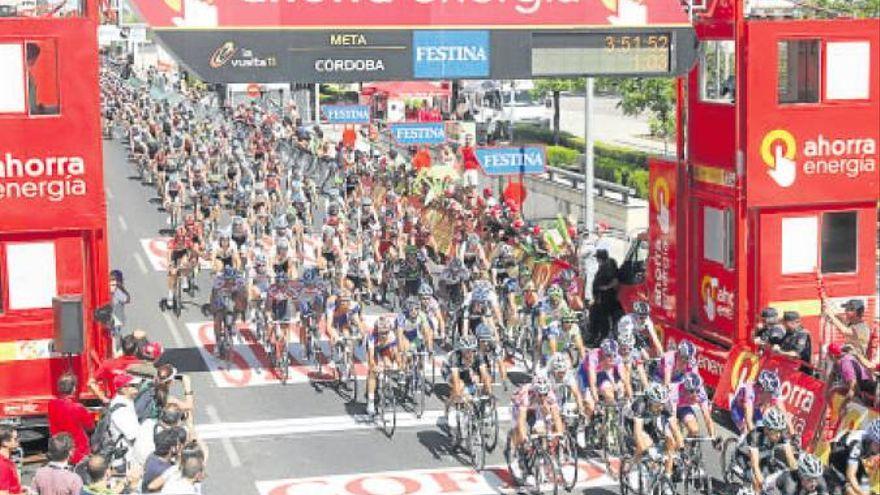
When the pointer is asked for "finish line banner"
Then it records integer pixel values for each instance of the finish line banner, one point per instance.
(419, 133)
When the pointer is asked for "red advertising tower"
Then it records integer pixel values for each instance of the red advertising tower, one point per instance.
(53, 246)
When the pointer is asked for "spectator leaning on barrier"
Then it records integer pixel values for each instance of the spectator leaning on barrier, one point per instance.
(67, 415)
(10, 483)
(110, 368)
(57, 477)
(853, 327)
(849, 376)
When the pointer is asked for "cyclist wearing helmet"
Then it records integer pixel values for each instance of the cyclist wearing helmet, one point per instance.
(196, 234)
(239, 232)
(847, 463)
(471, 252)
(282, 261)
(412, 327)
(640, 325)
(570, 336)
(633, 360)
(675, 363)
(481, 306)
(565, 381)
(382, 353)
(504, 264)
(464, 371)
(689, 396)
(753, 398)
(550, 314)
(807, 480)
(601, 376)
(180, 248)
(344, 317)
(650, 424)
(534, 407)
(431, 309)
(224, 254)
(764, 451)
(259, 278)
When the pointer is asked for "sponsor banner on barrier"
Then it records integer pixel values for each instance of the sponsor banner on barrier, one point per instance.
(512, 160)
(848, 416)
(802, 394)
(711, 358)
(346, 114)
(450, 481)
(419, 133)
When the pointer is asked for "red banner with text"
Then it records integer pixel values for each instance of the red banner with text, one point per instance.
(803, 394)
(661, 278)
(710, 357)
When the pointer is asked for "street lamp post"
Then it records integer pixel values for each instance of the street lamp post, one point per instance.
(589, 203)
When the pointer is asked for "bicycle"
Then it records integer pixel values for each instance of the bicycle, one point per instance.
(569, 453)
(227, 324)
(416, 385)
(645, 476)
(345, 365)
(536, 458)
(386, 400)
(694, 475)
(279, 356)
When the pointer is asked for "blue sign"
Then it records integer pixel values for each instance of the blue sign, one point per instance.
(450, 54)
(511, 161)
(346, 114)
(419, 133)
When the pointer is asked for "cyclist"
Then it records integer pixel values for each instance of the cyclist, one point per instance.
(179, 255)
(550, 313)
(690, 399)
(534, 405)
(650, 424)
(674, 364)
(240, 233)
(431, 309)
(344, 316)
(640, 325)
(413, 328)
(807, 480)
(174, 199)
(569, 339)
(565, 381)
(633, 358)
(480, 306)
(765, 451)
(282, 261)
(225, 255)
(259, 281)
(752, 399)
(466, 371)
(227, 284)
(847, 463)
(601, 376)
(382, 354)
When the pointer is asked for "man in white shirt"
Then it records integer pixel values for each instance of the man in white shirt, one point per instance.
(123, 420)
(191, 474)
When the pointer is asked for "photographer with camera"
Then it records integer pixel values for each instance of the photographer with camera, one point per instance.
(101, 481)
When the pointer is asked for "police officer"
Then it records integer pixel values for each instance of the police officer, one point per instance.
(796, 343)
(768, 331)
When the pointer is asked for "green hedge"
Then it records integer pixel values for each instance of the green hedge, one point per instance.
(612, 163)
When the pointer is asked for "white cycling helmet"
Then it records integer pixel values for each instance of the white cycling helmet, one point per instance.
(809, 466)
(774, 420)
(657, 393)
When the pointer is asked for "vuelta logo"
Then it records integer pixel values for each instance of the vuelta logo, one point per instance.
(222, 55)
(225, 54)
(850, 157)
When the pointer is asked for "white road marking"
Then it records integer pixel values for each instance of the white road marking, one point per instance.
(452, 481)
(108, 193)
(122, 223)
(321, 424)
(231, 453)
(140, 262)
(172, 327)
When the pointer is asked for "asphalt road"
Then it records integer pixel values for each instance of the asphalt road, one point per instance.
(268, 438)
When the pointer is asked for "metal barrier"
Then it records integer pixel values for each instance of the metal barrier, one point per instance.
(575, 180)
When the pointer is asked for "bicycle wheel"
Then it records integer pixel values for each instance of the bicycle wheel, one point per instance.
(380, 405)
(628, 478)
(178, 297)
(546, 471)
(475, 443)
(391, 399)
(418, 391)
(351, 378)
(728, 451)
(283, 363)
(512, 458)
(567, 459)
(490, 426)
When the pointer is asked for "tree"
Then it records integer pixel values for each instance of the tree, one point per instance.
(653, 95)
(555, 87)
(856, 8)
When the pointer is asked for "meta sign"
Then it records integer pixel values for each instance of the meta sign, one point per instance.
(512, 160)
(419, 133)
(346, 114)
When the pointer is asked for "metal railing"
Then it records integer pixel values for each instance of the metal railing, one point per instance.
(575, 180)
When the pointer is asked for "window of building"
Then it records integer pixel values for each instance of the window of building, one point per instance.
(848, 70)
(30, 268)
(800, 244)
(12, 78)
(798, 71)
(42, 68)
(839, 242)
(718, 236)
(41, 8)
(718, 71)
